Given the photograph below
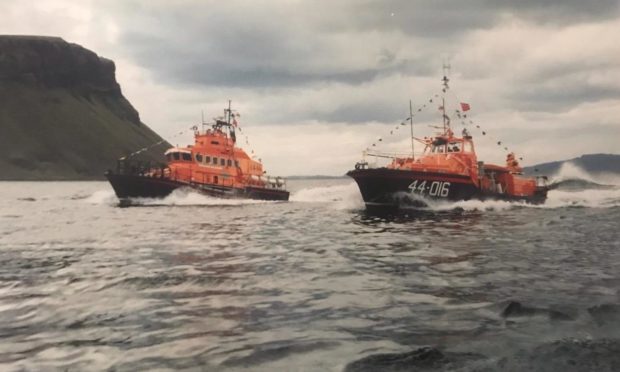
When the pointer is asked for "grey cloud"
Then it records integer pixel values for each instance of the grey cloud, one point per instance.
(559, 11)
(560, 98)
(274, 46)
(387, 112)
(277, 43)
(383, 110)
(445, 18)
(261, 58)
(263, 46)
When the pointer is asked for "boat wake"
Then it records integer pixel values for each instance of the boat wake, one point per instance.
(179, 197)
(345, 196)
(574, 187)
(101, 197)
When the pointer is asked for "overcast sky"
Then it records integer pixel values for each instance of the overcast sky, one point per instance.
(317, 82)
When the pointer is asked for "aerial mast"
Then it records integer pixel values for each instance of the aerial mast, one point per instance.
(446, 71)
(411, 121)
(227, 111)
(231, 131)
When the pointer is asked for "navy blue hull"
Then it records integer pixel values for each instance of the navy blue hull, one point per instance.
(137, 186)
(398, 188)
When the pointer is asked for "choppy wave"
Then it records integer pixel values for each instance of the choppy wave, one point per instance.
(302, 286)
(593, 198)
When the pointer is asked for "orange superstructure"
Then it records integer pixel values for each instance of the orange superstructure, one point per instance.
(214, 159)
(448, 155)
(213, 164)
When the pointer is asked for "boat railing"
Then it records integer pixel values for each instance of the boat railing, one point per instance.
(361, 165)
(268, 182)
(542, 181)
(381, 159)
(142, 168)
(277, 183)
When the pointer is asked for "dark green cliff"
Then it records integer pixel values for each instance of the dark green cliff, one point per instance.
(62, 113)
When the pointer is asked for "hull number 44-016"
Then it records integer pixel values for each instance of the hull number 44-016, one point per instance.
(430, 188)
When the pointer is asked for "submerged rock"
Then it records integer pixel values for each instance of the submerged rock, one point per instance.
(27, 199)
(516, 309)
(275, 351)
(605, 314)
(423, 359)
(566, 355)
(574, 355)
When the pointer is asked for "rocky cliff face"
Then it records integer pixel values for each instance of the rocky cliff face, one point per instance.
(55, 63)
(62, 112)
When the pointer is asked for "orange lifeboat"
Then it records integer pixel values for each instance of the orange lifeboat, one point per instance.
(214, 165)
(448, 169)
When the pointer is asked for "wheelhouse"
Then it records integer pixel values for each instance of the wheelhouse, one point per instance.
(178, 155)
(445, 145)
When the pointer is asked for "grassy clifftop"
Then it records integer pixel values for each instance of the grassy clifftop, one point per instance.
(62, 113)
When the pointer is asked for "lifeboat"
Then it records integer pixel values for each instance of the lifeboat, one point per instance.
(214, 166)
(447, 169)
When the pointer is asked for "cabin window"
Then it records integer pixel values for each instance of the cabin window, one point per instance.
(199, 158)
(187, 156)
(222, 162)
(454, 147)
(169, 157)
(439, 149)
(237, 163)
(215, 179)
(215, 143)
(207, 159)
(176, 155)
(215, 160)
(229, 163)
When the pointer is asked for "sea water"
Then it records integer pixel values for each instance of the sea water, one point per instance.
(195, 283)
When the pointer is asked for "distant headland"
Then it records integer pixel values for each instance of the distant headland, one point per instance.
(591, 163)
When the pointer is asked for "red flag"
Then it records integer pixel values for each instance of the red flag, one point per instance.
(465, 106)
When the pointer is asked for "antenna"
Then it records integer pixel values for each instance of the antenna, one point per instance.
(446, 68)
(231, 130)
(411, 119)
(446, 72)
